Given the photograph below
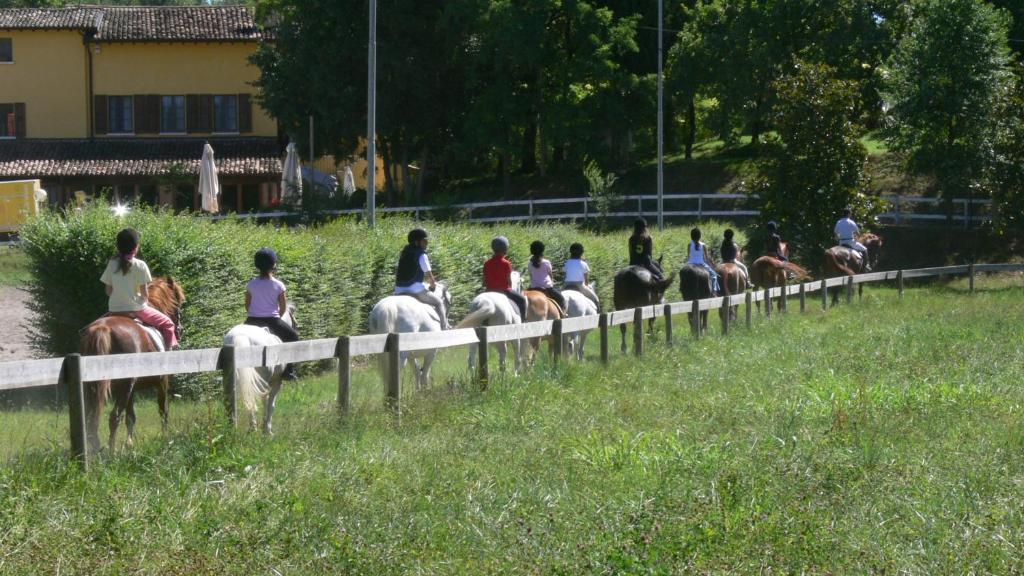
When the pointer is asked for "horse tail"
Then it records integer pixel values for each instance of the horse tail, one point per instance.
(248, 383)
(798, 271)
(96, 341)
(832, 260)
(477, 317)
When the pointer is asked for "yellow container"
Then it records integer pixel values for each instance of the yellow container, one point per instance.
(18, 202)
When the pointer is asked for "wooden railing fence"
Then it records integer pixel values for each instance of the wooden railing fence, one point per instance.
(74, 370)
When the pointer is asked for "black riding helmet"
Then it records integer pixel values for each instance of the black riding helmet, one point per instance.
(265, 260)
(416, 234)
(127, 240)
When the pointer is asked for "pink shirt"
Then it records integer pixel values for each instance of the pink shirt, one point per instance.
(540, 276)
(263, 294)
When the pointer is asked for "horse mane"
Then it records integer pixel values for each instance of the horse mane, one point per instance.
(165, 294)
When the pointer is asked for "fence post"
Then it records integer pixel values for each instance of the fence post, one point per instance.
(393, 359)
(640, 206)
(638, 331)
(860, 291)
(726, 313)
(783, 298)
(750, 309)
(227, 366)
(970, 276)
(695, 319)
(824, 294)
(899, 283)
(602, 328)
(700, 207)
(531, 209)
(556, 338)
(668, 323)
(803, 297)
(482, 370)
(849, 290)
(76, 409)
(768, 302)
(586, 210)
(344, 356)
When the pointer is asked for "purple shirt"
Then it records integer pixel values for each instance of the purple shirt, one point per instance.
(263, 294)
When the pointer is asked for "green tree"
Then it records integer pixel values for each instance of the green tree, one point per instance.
(1005, 176)
(814, 167)
(945, 82)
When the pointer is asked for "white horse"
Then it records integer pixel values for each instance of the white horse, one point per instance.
(401, 313)
(576, 304)
(495, 309)
(258, 383)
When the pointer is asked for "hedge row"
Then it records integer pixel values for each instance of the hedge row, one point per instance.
(334, 272)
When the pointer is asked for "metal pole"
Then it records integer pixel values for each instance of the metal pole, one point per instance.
(312, 155)
(661, 128)
(371, 121)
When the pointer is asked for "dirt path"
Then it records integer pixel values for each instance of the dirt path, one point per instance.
(15, 317)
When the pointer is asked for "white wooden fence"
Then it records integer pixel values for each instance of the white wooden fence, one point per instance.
(73, 370)
(905, 209)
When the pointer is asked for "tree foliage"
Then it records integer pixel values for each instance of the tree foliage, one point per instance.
(814, 167)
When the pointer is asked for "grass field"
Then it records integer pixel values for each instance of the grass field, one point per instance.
(881, 437)
(13, 267)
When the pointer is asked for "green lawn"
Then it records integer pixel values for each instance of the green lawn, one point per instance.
(13, 267)
(879, 437)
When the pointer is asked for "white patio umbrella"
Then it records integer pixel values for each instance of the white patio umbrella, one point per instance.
(349, 182)
(209, 186)
(291, 177)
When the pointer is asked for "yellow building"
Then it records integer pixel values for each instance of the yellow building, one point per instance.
(96, 97)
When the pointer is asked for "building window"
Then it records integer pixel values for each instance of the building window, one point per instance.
(8, 121)
(172, 114)
(225, 113)
(6, 51)
(121, 113)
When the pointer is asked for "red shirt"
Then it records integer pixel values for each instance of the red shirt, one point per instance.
(497, 273)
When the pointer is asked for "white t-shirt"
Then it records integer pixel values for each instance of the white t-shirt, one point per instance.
(416, 287)
(126, 296)
(576, 271)
(846, 229)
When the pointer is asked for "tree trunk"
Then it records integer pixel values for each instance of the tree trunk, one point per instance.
(504, 166)
(542, 153)
(557, 157)
(529, 162)
(669, 119)
(691, 128)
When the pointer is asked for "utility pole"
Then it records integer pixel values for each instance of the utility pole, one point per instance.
(661, 127)
(371, 128)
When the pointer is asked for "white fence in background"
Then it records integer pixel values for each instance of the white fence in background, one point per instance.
(905, 209)
(74, 370)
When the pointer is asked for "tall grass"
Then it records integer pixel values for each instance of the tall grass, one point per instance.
(879, 437)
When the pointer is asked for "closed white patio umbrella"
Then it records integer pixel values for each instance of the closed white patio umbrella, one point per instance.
(209, 186)
(291, 177)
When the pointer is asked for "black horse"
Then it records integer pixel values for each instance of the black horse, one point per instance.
(694, 284)
(635, 287)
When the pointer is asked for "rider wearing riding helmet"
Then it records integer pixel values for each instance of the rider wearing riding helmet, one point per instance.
(498, 275)
(846, 231)
(773, 242)
(413, 269)
(266, 302)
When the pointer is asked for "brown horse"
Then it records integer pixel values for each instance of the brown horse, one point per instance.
(770, 272)
(732, 281)
(120, 334)
(635, 287)
(539, 307)
(843, 261)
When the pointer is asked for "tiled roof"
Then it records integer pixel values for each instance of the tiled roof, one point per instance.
(141, 23)
(119, 157)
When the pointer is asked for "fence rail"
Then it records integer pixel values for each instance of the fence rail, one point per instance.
(960, 210)
(73, 370)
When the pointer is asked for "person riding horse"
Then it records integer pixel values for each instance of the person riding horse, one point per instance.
(413, 268)
(845, 232)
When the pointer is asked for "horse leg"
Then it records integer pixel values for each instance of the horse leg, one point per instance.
(161, 401)
(622, 332)
(517, 351)
(502, 353)
(471, 361)
(93, 409)
(129, 421)
(424, 371)
(122, 390)
(271, 403)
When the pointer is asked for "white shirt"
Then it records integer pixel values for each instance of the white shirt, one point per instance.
(576, 270)
(126, 295)
(416, 287)
(846, 229)
(696, 254)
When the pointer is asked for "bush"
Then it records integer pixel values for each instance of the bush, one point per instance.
(334, 273)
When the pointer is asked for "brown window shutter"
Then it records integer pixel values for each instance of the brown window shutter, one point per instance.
(19, 120)
(244, 114)
(153, 112)
(139, 110)
(192, 113)
(99, 112)
(206, 113)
